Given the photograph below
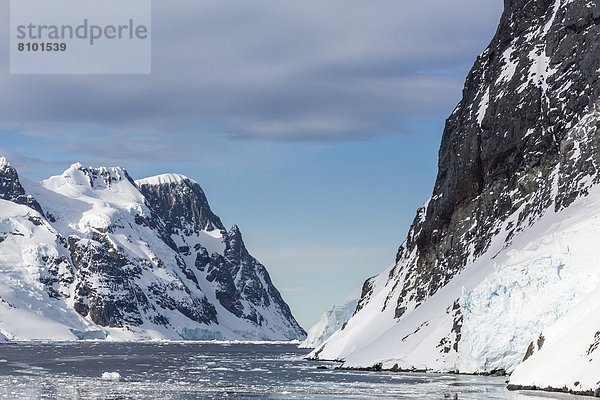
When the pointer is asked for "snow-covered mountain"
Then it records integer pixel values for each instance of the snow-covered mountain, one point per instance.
(332, 320)
(93, 254)
(504, 251)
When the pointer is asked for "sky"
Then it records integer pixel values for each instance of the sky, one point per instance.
(314, 125)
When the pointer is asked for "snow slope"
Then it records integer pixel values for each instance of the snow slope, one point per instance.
(28, 255)
(164, 179)
(566, 355)
(332, 320)
(89, 256)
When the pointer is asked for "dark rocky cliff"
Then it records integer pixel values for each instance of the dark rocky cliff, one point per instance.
(505, 139)
(483, 271)
(242, 285)
(182, 205)
(11, 188)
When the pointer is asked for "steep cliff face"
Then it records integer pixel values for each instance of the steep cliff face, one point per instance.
(536, 80)
(181, 202)
(519, 151)
(91, 254)
(241, 285)
(11, 188)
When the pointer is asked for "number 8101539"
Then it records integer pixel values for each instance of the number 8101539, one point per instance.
(45, 47)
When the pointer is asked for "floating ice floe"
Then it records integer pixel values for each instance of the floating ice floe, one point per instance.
(111, 376)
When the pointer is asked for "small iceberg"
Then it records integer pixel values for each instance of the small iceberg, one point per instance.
(89, 335)
(111, 376)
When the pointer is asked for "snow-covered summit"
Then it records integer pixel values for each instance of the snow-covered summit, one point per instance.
(95, 177)
(164, 179)
(4, 162)
(103, 170)
(100, 256)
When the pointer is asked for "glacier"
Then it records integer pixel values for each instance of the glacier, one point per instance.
(332, 320)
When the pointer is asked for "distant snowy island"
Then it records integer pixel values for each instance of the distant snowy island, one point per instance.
(331, 321)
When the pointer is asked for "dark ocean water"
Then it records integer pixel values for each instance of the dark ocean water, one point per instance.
(178, 371)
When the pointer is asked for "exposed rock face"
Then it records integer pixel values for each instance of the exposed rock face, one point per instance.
(536, 80)
(128, 260)
(241, 284)
(11, 189)
(182, 204)
(521, 145)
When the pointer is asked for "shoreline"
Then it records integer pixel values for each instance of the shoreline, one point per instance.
(151, 341)
(550, 389)
(498, 373)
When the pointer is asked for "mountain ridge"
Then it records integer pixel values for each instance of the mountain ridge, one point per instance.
(103, 256)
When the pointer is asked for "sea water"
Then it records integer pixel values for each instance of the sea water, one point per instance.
(186, 370)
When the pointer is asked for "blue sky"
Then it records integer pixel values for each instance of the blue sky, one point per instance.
(313, 125)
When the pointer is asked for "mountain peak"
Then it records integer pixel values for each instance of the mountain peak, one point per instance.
(101, 170)
(95, 177)
(11, 188)
(164, 179)
(75, 166)
(181, 200)
(4, 162)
